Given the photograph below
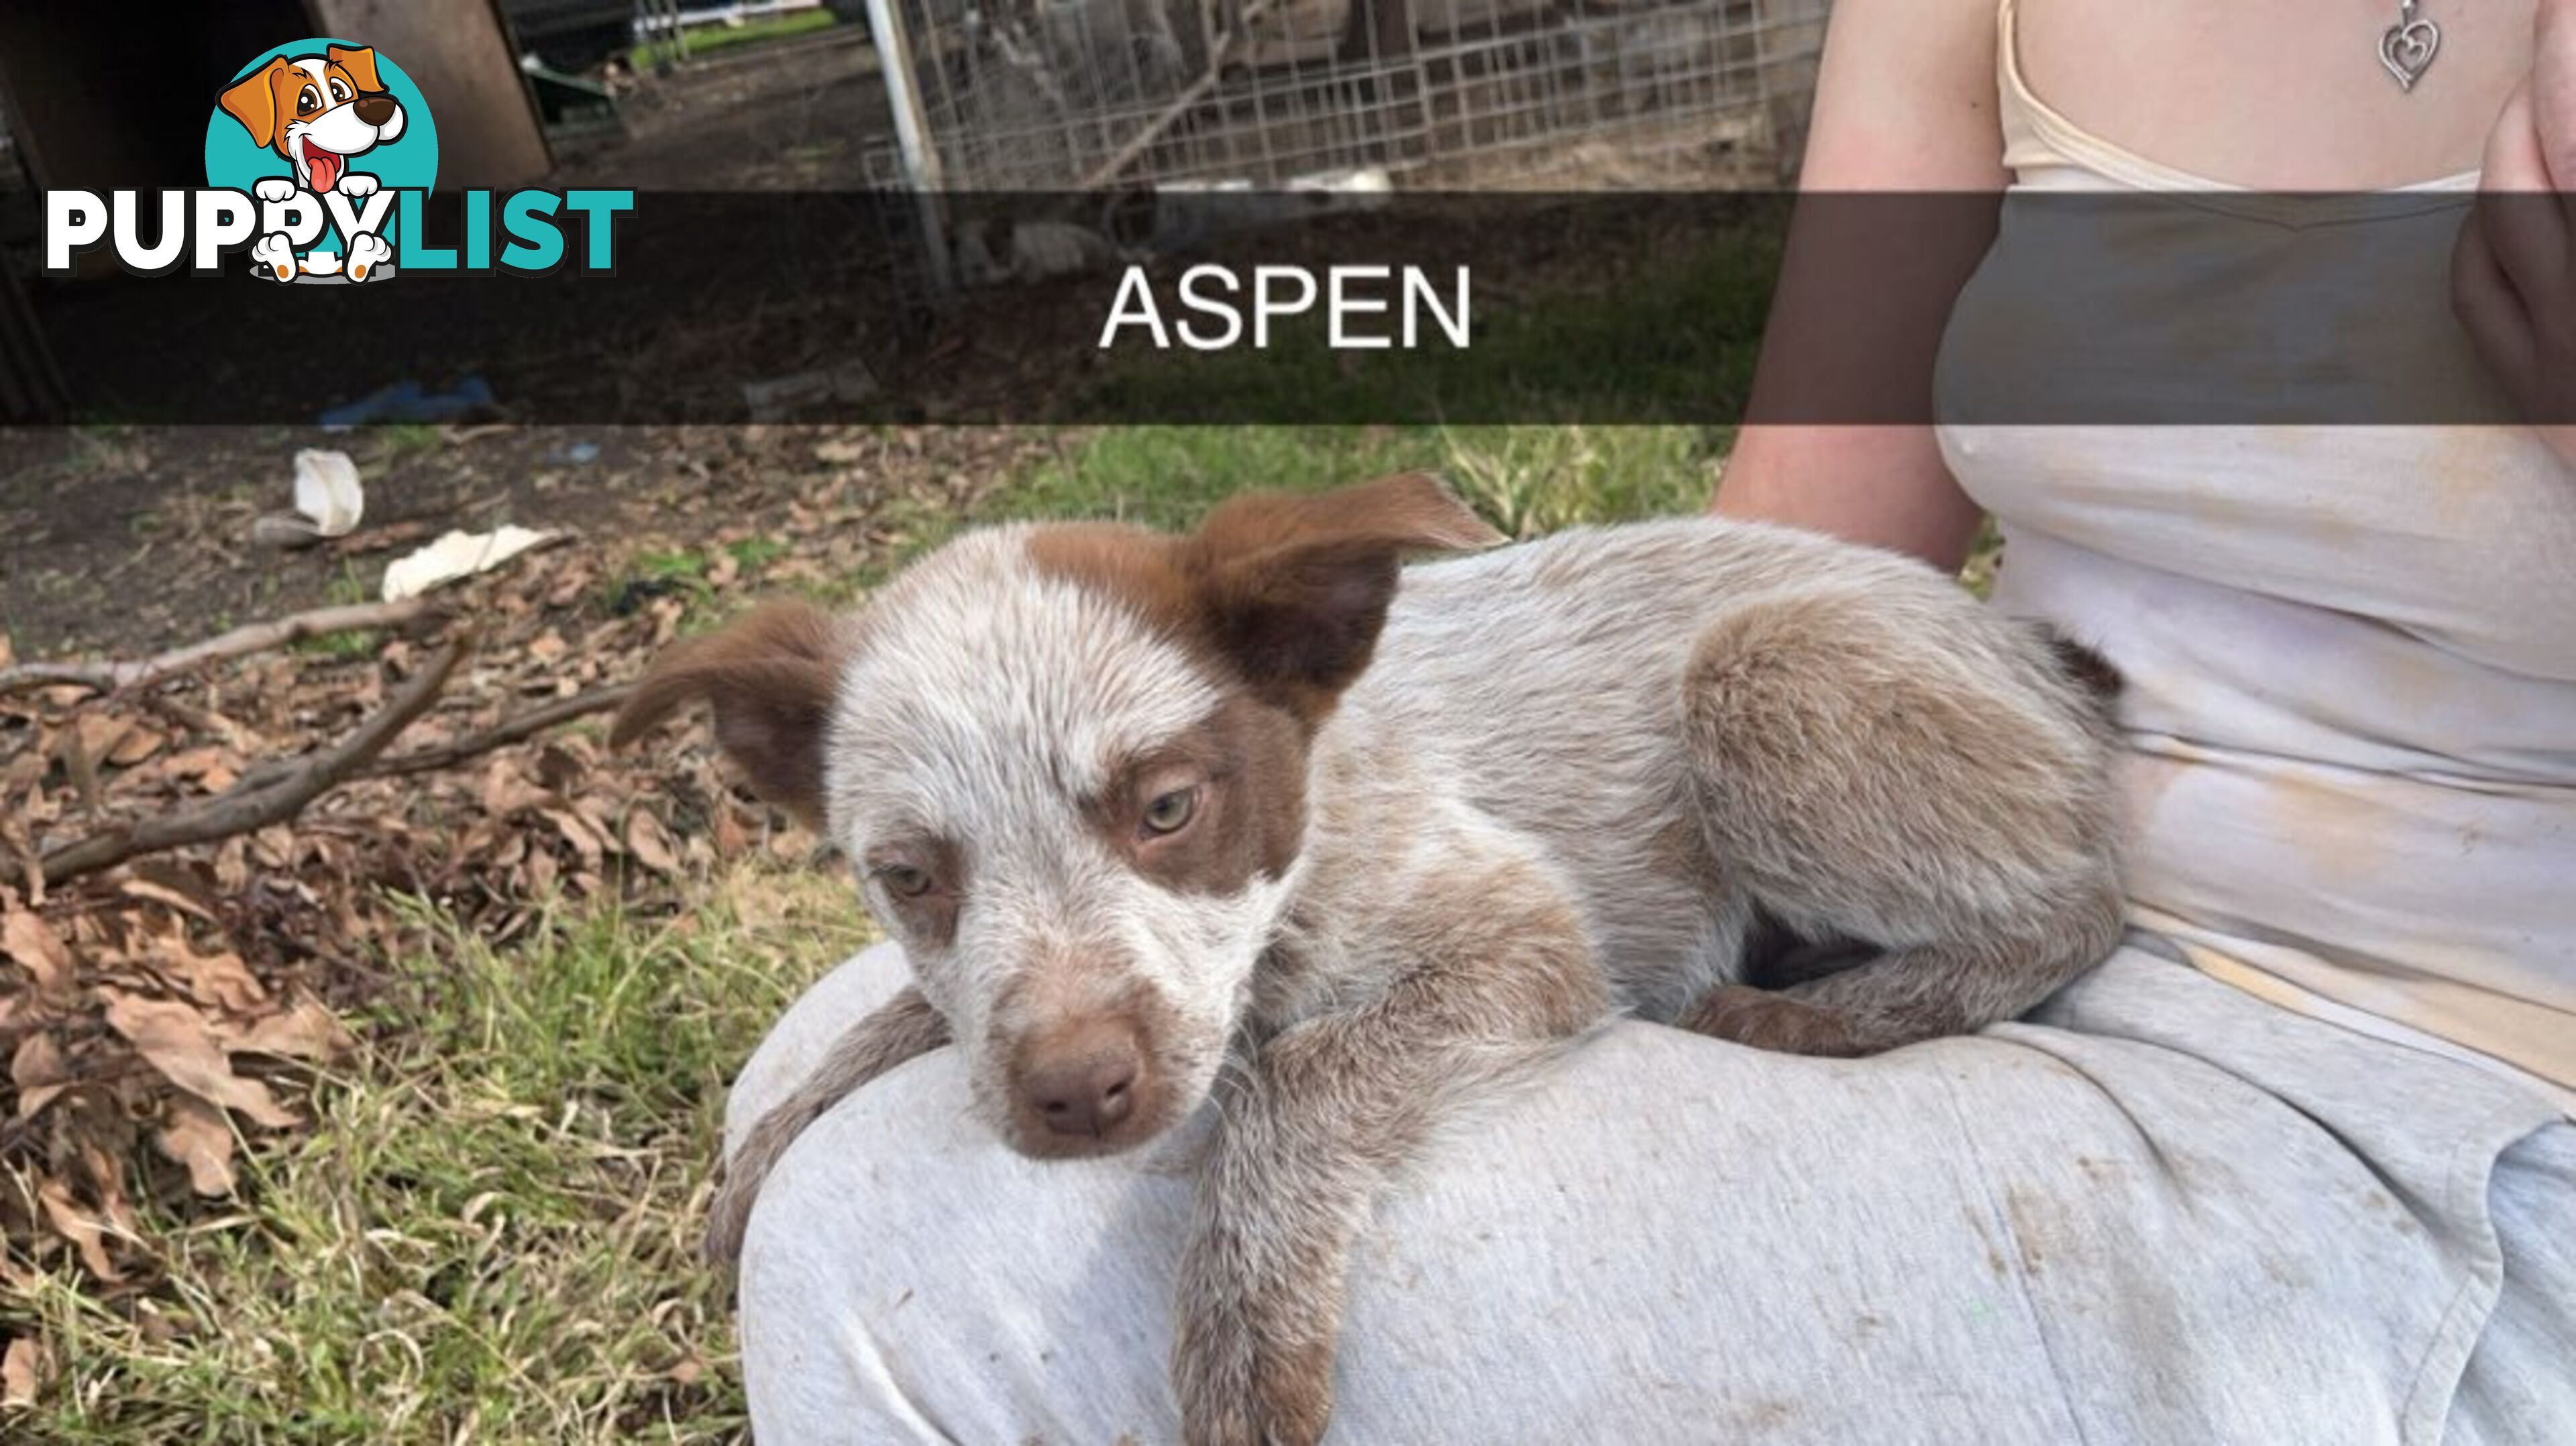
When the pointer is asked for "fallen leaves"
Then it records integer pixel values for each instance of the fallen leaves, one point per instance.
(197, 1136)
(158, 1015)
(177, 1040)
(24, 1366)
(86, 1231)
(39, 1072)
(33, 943)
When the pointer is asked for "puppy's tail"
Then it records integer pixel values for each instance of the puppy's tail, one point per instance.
(2084, 667)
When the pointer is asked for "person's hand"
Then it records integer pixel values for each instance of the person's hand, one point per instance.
(2513, 274)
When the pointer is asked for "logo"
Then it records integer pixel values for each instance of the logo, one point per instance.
(331, 136)
(320, 159)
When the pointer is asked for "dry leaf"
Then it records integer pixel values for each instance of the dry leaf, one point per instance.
(731, 838)
(219, 979)
(24, 1365)
(579, 832)
(34, 944)
(506, 789)
(39, 1071)
(232, 865)
(21, 844)
(178, 1041)
(163, 894)
(137, 745)
(97, 735)
(305, 1030)
(193, 763)
(199, 1137)
(82, 1229)
(646, 839)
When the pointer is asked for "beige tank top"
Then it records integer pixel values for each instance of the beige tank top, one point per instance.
(2351, 651)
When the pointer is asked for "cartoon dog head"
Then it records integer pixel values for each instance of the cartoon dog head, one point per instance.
(317, 111)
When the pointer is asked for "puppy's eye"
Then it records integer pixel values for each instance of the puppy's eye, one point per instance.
(307, 101)
(1171, 812)
(903, 880)
(339, 90)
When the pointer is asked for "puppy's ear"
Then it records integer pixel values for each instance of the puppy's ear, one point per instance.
(360, 63)
(1410, 510)
(772, 675)
(1295, 588)
(252, 100)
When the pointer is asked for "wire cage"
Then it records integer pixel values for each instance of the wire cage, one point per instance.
(1059, 95)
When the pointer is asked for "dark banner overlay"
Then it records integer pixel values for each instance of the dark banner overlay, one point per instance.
(1327, 308)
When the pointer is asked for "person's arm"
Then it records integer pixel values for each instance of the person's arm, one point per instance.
(1905, 102)
(2513, 275)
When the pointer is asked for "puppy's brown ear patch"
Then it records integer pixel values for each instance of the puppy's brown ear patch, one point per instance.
(360, 63)
(772, 675)
(1410, 511)
(1295, 588)
(252, 100)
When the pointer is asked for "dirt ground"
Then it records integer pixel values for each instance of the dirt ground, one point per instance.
(131, 540)
(800, 114)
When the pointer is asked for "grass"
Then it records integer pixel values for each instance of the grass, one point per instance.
(1525, 480)
(347, 589)
(706, 38)
(490, 1231)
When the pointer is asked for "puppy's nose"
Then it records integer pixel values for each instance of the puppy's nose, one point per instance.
(1084, 1081)
(375, 110)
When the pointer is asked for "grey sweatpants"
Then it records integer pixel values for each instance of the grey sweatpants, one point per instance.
(2159, 1211)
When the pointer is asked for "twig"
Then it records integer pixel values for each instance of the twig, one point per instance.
(1181, 105)
(256, 805)
(501, 734)
(251, 638)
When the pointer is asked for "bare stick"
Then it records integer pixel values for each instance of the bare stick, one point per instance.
(251, 638)
(501, 734)
(256, 805)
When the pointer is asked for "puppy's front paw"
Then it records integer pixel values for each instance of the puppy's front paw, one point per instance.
(275, 256)
(366, 253)
(356, 183)
(1283, 1400)
(1766, 1020)
(273, 188)
(1250, 1370)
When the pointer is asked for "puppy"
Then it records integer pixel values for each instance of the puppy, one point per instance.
(317, 111)
(1142, 809)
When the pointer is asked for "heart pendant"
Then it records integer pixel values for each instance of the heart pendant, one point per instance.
(2407, 50)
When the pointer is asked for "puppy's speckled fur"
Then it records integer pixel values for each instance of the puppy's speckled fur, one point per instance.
(1434, 835)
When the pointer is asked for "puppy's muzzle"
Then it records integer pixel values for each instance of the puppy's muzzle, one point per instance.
(1082, 1080)
(375, 110)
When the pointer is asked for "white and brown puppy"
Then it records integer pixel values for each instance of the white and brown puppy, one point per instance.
(1142, 807)
(317, 111)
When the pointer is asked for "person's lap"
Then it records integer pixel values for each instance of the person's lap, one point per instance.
(2169, 1212)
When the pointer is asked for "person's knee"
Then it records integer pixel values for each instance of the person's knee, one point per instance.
(797, 1041)
(899, 1247)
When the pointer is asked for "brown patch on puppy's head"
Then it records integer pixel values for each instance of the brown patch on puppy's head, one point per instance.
(1284, 591)
(772, 675)
(1244, 772)
(1293, 589)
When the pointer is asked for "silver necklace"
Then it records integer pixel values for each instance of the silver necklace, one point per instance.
(2407, 47)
